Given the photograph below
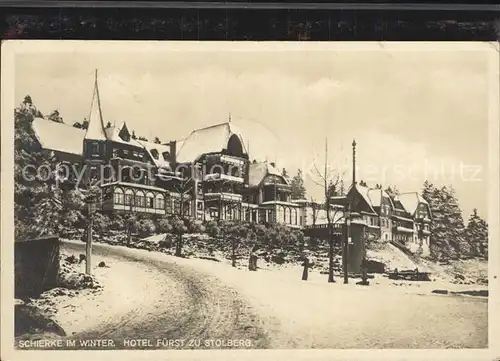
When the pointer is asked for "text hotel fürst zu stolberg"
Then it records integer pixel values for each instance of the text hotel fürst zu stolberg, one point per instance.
(133, 343)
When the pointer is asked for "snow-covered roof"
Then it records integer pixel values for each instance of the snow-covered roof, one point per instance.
(376, 195)
(58, 137)
(207, 140)
(364, 192)
(113, 134)
(161, 162)
(260, 170)
(411, 200)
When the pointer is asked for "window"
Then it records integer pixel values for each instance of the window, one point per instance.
(169, 206)
(160, 201)
(150, 200)
(139, 199)
(129, 197)
(95, 147)
(118, 196)
(93, 173)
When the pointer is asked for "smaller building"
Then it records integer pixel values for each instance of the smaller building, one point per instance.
(418, 209)
(403, 219)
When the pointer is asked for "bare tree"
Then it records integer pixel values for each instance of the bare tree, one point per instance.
(183, 187)
(330, 180)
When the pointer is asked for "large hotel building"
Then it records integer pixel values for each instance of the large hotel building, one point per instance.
(210, 175)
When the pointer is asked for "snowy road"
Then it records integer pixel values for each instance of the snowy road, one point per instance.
(162, 302)
(159, 297)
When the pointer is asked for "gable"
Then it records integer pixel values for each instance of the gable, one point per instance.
(124, 134)
(359, 201)
(273, 179)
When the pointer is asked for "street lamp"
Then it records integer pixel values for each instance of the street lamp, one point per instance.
(347, 216)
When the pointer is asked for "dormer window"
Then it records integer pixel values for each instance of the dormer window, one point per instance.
(124, 134)
(166, 155)
(155, 154)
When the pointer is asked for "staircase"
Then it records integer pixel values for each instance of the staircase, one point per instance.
(406, 251)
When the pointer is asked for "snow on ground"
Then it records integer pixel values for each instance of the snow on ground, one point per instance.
(83, 309)
(384, 314)
(392, 257)
(311, 313)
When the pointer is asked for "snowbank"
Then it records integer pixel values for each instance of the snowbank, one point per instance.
(392, 258)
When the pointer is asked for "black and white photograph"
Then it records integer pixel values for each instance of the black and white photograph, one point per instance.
(241, 196)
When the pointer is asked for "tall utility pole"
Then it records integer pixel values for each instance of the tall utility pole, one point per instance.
(347, 216)
(353, 162)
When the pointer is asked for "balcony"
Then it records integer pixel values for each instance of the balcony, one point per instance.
(222, 177)
(229, 197)
(228, 159)
(401, 218)
(404, 229)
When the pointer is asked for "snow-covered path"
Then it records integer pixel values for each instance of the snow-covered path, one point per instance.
(147, 298)
(175, 298)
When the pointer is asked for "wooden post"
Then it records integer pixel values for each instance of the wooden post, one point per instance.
(347, 215)
(88, 249)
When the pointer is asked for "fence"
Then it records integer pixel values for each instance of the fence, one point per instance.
(36, 266)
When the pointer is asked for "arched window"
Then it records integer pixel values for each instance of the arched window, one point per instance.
(234, 146)
(129, 197)
(150, 200)
(125, 174)
(160, 201)
(139, 199)
(118, 196)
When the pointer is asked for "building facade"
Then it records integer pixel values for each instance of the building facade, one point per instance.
(209, 176)
(403, 219)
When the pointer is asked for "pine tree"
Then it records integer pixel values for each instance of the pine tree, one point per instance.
(298, 188)
(456, 229)
(36, 203)
(332, 188)
(55, 117)
(392, 191)
(447, 228)
(477, 235)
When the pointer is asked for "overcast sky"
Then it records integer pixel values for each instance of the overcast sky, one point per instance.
(415, 114)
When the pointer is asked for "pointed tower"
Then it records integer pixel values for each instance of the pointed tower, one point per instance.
(95, 130)
(94, 142)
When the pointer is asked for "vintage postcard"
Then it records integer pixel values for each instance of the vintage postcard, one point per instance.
(249, 200)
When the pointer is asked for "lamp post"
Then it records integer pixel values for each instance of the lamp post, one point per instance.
(90, 200)
(347, 216)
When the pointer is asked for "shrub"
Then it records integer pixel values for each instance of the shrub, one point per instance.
(146, 227)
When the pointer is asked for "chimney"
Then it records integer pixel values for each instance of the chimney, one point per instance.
(173, 152)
